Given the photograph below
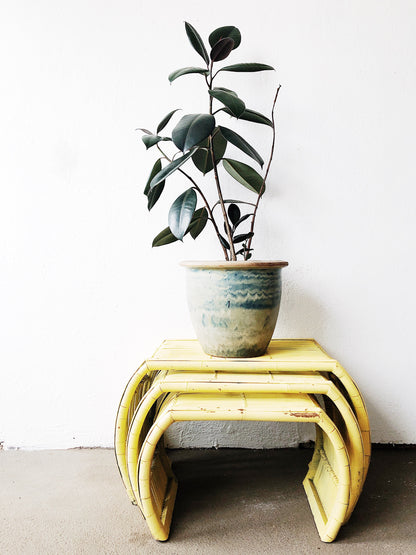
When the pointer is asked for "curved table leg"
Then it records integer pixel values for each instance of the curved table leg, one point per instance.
(358, 405)
(162, 385)
(327, 483)
(135, 389)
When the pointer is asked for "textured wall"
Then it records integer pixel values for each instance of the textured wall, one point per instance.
(83, 296)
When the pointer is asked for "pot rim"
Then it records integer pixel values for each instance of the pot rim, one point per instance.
(234, 264)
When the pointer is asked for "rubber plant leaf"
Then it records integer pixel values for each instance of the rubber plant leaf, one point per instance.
(169, 169)
(152, 140)
(230, 101)
(244, 174)
(198, 222)
(251, 115)
(196, 41)
(185, 71)
(242, 237)
(192, 129)
(202, 157)
(223, 32)
(165, 121)
(154, 194)
(181, 212)
(157, 166)
(251, 67)
(241, 143)
(234, 213)
(224, 242)
(242, 219)
(226, 90)
(164, 238)
(221, 49)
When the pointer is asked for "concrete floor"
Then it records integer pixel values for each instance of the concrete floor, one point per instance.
(229, 501)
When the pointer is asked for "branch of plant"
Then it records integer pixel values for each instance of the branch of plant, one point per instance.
(265, 175)
(229, 201)
(210, 87)
(207, 206)
(220, 197)
(217, 181)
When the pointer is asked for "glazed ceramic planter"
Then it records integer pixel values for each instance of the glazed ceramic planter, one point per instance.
(234, 305)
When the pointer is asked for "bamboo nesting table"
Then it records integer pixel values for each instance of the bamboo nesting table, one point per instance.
(180, 382)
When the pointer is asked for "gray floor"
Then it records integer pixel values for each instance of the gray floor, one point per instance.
(229, 501)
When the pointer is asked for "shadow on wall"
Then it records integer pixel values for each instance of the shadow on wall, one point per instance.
(247, 435)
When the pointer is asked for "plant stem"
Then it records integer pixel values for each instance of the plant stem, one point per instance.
(217, 180)
(265, 175)
(210, 87)
(224, 212)
(207, 206)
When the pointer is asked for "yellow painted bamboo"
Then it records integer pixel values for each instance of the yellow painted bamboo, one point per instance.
(296, 355)
(299, 357)
(327, 483)
(284, 355)
(133, 392)
(216, 382)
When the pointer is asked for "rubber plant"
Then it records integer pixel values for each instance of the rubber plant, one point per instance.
(201, 140)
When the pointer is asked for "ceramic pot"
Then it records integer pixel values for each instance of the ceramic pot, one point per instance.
(234, 305)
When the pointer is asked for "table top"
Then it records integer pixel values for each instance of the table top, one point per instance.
(282, 354)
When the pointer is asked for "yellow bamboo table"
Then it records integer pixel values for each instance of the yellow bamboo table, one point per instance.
(171, 381)
(290, 367)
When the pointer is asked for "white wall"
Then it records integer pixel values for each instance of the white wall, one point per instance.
(83, 296)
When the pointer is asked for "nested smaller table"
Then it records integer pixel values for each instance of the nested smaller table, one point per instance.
(289, 372)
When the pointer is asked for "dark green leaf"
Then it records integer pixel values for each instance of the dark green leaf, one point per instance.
(196, 41)
(242, 237)
(247, 67)
(233, 93)
(242, 219)
(251, 115)
(154, 195)
(164, 238)
(244, 174)
(156, 169)
(224, 32)
(151, 140)
(243, 250)
(224, 242)
(169, 169)
(242, 144)
(181, 212)
(198, 222)
(192, 129)
(165, 121)
(221, 50)
(234, 213)
(202, 157)
(230, 100)
(185, 70)
(249, 256)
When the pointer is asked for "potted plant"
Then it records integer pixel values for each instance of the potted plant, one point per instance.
(234, 304)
